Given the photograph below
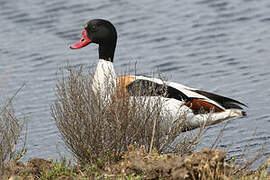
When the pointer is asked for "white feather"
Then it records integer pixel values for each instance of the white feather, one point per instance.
(104, 78)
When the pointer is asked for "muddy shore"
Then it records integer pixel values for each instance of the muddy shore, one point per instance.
(137, 164)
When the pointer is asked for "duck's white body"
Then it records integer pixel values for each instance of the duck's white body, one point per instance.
(105, 76)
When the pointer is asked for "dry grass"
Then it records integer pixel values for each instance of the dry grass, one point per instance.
(97, 129)
(10, 130)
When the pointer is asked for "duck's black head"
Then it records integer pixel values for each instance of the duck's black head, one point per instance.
(101, 32)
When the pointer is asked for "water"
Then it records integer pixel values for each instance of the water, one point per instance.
(220, 46)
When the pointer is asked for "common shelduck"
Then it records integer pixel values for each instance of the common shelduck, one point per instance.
(199, 107)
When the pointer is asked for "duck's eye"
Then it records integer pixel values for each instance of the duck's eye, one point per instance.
(93, 28)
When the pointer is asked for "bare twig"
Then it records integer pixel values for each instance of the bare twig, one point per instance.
(153, 135)
(10, 129)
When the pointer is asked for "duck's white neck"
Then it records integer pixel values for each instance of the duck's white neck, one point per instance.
(104, 81)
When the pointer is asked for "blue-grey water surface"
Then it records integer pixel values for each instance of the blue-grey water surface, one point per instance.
(221, 46)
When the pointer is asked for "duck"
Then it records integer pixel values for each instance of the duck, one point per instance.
(198, 107)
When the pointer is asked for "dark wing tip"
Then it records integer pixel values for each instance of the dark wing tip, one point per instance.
(238, 102)
(244, 113)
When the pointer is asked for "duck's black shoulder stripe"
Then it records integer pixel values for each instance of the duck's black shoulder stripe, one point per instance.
(143, 87)
(226, 102)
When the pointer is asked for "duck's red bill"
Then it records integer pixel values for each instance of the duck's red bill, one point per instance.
(82, 42)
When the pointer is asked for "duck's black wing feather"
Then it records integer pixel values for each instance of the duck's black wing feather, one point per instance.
(150, 88)
(223, 101)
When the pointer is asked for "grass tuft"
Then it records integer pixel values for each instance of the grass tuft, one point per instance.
(98, 128)
(10, 130)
